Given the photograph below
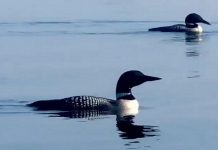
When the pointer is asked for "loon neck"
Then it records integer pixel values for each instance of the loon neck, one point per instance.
(194, 28)
(191, 25)
(126, 96)
(124, 91)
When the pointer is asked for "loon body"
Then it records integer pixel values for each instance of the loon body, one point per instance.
(190, 25)
(124, 98)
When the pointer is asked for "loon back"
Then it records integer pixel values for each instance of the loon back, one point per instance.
(74, 103)
(173, 28)
(179, 28)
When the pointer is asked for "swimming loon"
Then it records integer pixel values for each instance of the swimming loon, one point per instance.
(124, 97)
(190, 26)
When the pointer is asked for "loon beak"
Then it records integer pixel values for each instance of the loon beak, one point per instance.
(205, 22)
(150, 78)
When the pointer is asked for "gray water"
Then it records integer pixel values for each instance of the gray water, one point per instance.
(55, 59)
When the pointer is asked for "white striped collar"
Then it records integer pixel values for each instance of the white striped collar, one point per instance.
(119, 95)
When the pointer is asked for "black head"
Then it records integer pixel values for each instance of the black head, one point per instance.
(132, 78)
(194, 18)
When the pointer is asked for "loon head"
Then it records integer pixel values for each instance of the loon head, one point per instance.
(130, 79)
(192, 19)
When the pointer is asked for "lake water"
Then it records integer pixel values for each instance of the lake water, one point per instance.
(57, 59)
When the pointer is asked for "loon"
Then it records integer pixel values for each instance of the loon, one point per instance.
(190, 26)
(124, 98)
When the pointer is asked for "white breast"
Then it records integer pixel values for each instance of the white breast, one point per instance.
(198, 29)
(128, 107)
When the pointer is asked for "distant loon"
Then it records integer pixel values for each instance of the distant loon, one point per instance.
(190, 26)
(125, 99)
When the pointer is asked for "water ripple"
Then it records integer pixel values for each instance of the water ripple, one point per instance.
(81, 27)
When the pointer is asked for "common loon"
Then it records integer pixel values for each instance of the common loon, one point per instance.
(124, 97)
(190, 26)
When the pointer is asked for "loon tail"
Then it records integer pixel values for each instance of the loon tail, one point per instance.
(74, 103)
(157, 29)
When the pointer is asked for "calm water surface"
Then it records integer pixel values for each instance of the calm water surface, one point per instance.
(45, 60)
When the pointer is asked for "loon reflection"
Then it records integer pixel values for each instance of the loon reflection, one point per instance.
(124, 121)
(129, 130)
(198, 37)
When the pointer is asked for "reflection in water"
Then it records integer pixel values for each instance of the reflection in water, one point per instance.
(188, 38)
(192, 41)
(131, 131)
(194, 74)
(126, 127)
(125, 124)
(89, 114)
(192, 53)
(193, 50)
(128, 130)
(193, 37)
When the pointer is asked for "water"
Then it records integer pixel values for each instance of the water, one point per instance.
(45, 60)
